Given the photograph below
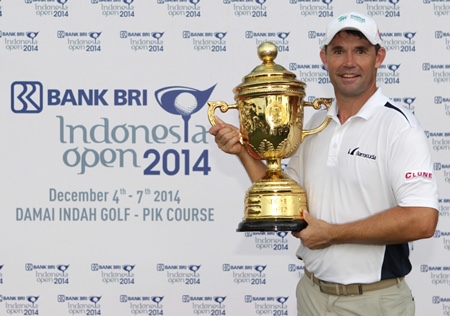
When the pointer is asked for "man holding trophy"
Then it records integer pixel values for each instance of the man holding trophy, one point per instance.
(368, 181)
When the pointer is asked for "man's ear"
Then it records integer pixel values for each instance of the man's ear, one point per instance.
(380, 57)
(323, 57)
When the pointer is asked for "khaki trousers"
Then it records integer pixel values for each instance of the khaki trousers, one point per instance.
(396, 300)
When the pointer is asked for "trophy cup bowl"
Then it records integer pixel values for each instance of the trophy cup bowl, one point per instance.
(271, 110)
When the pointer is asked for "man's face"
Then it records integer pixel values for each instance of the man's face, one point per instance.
(352, 64)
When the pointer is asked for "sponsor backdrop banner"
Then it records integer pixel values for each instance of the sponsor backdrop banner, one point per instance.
(115, 199)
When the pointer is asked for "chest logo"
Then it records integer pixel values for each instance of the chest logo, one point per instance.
(356, 152)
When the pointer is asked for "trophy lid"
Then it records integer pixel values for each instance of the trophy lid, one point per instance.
(269, 77)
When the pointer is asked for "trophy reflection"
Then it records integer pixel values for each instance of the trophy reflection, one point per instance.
(271, 110)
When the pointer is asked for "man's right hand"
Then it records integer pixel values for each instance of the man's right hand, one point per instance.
(228, 137)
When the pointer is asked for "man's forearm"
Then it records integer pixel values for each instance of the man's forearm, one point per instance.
(255, 168)
(393, 226)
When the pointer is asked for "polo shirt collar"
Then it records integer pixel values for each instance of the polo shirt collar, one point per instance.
(368, 109)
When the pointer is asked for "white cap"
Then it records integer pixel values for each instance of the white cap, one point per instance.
(354, 21)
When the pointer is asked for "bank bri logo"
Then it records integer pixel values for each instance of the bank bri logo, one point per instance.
(27, 97)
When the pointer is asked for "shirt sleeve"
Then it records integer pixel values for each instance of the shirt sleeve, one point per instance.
(411, 170)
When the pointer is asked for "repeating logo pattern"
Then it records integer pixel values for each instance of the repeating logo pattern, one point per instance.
(119, 89)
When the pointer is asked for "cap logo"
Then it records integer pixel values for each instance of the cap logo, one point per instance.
(358, 18)
(342, 18)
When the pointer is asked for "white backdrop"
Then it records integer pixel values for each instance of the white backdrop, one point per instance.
(115, 199)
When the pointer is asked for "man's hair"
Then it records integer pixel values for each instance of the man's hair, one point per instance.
(359, 35)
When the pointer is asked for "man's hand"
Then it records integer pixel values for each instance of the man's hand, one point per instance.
(316, 235)
(227, 137)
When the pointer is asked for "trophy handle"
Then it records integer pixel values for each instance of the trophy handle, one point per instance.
(224, 107)
(317, 104)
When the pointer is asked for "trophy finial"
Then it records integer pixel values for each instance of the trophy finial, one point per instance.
(269, 77)
(267, 52)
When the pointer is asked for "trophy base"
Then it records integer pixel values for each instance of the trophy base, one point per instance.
(271, 225)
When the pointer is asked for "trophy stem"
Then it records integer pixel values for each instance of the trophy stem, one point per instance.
(273, 164)
(273, 171)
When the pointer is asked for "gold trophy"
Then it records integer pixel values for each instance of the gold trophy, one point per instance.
(270, 104)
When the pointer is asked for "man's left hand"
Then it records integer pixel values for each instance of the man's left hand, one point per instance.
(316, 235)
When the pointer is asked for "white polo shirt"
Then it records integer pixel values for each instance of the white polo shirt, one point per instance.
(376, 160)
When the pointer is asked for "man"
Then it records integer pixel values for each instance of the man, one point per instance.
(368, 180)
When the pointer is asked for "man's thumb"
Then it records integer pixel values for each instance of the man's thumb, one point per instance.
(306, 215)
